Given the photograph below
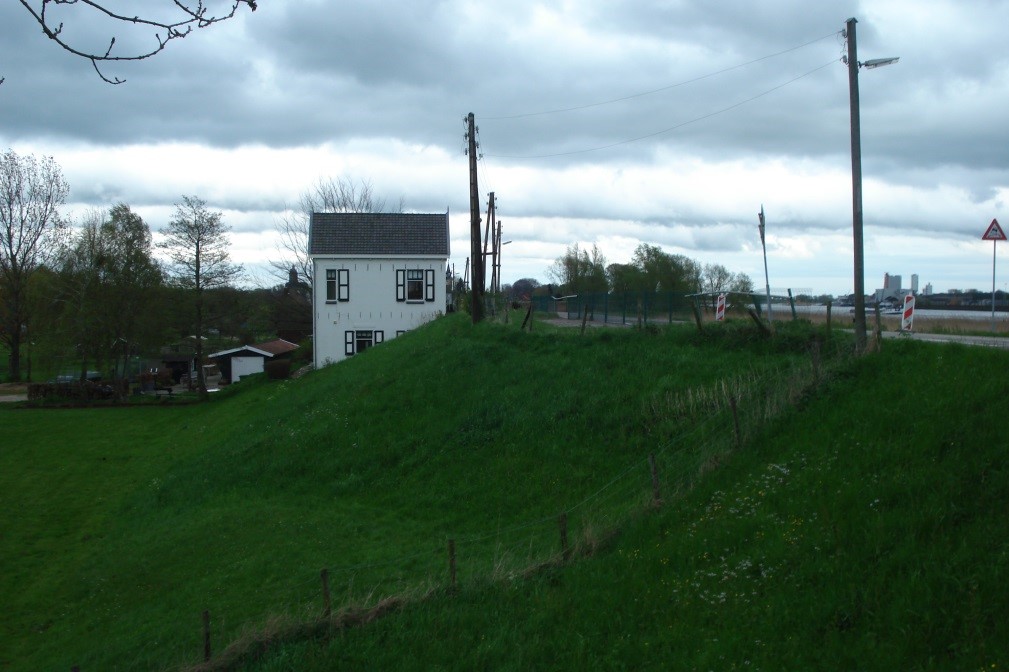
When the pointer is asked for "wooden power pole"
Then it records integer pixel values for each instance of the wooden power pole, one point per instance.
(476, 256)
(496, 257)
(488, 240)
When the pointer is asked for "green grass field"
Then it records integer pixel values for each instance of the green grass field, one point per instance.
(865, 531)
(860, 519)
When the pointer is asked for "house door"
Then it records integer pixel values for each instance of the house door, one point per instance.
(245, 366)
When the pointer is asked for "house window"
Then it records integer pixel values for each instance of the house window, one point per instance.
(358, 341)
(337, 285)
(330, 285)
(415, 285)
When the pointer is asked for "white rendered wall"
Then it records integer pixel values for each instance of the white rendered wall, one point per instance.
(372, 305)
(245, 366)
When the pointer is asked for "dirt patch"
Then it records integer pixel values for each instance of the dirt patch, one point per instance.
(13, 392)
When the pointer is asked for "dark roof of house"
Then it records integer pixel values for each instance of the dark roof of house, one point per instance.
(276, 347)
(370, 233)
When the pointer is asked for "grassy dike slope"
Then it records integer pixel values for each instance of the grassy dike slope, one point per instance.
(120, 526)
(866, 530)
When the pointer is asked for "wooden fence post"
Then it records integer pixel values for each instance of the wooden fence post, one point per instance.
(697, 315)
(451, 562)
(879, 328)
(656, 495)
(206, 635)
(829, 306)
(759, 322)
(565, 549)
(328, 610)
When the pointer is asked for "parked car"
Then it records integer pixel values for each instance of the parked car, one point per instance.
(93, 376)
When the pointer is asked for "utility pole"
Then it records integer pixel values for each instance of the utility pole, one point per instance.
(856, 186)
(496, 257)
(476, 258)
(767, 279)
(856, 175)
(488, 240)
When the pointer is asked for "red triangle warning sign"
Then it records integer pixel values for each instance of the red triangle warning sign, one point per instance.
(994, 232)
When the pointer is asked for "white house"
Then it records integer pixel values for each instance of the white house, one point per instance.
(374, 276)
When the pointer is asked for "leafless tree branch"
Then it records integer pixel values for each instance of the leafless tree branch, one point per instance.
(328, 195)
(191, 15)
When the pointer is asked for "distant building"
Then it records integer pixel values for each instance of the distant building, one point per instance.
(892, 292)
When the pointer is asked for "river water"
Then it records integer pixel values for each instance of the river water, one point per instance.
(839, 311)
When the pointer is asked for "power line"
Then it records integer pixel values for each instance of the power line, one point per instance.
(671, 128)
(664, 88)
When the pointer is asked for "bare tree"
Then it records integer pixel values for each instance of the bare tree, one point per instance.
(183, 18)
(197, 244)
(718, 278)
(341, 195)
(32, 233)
(580, 272)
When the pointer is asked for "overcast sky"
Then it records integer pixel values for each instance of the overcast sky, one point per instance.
(620, 122)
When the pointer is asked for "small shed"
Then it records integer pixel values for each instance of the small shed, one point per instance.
(238, 362)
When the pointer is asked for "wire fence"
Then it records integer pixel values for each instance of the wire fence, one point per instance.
(699, 427)
(646, 308)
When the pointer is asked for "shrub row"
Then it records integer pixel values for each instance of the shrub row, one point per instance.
(76, 391)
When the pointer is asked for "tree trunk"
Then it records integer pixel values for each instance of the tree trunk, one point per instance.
(201, 379)
(14, 362)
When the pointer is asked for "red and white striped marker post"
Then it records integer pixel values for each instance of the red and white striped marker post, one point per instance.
(720, 308)
(907, 321)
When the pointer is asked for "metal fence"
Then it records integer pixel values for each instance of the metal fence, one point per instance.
(640, 308)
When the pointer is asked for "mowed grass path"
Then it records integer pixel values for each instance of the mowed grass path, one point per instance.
(120, 526)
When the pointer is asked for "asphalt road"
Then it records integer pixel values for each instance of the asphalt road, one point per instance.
(983, 341)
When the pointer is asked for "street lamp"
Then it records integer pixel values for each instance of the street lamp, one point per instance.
(856, 176)
(500, 251)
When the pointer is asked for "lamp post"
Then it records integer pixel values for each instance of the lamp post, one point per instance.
(856, 176)
(500, 252)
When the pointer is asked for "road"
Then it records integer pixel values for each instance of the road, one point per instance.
(983, 341)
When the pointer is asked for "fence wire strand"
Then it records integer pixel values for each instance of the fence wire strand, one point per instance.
(682, 458)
